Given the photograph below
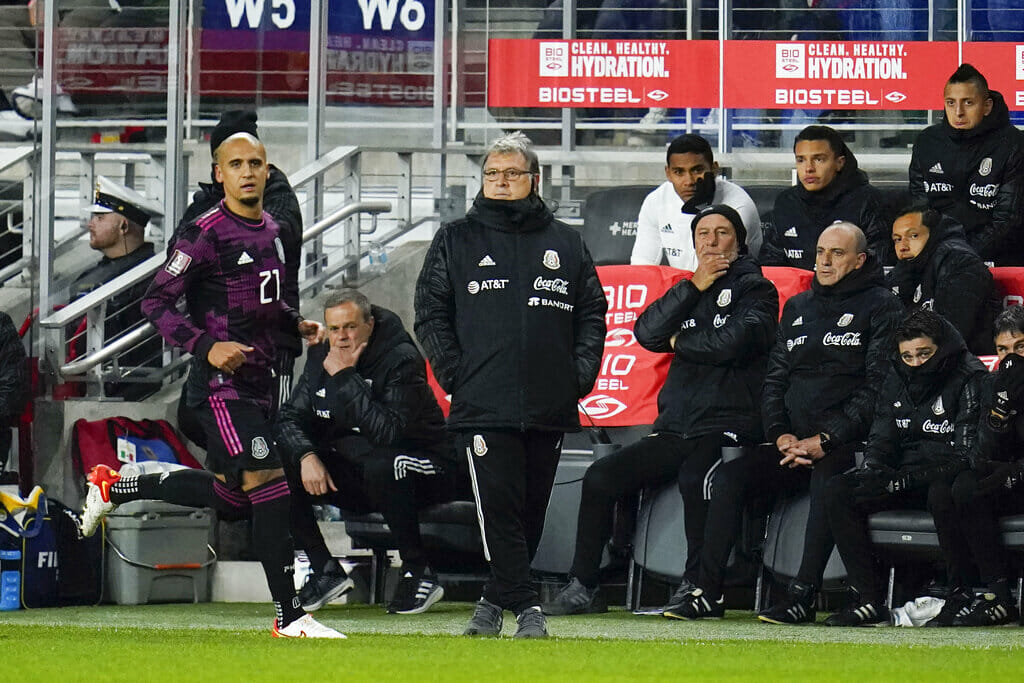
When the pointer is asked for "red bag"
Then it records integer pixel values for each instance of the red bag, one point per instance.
(96, 443)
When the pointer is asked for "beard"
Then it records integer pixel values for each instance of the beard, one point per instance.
(250, 201)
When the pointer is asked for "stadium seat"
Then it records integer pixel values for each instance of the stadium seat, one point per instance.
(1012, 529)
(903, 533)
(609, 222)
(764, 199)
(451, 537)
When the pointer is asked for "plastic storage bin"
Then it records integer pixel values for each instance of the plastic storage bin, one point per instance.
(158, 552)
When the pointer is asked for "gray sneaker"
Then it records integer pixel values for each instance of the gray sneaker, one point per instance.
(486, 620)
(681, 596)
(532, 623)
(576, 598)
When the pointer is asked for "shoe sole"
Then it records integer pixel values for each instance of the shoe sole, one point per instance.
(340, 590)
(433, 597)
(482, 634)
(680, 617)
(769, 620)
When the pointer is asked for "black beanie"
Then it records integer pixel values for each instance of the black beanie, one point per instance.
(232, 122)
(730, 215)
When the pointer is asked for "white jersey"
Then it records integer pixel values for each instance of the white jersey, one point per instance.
(662, 225)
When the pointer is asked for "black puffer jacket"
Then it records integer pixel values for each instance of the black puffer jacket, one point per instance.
(975, 177)
(928, 415)
(830, 358)
(799, 217)
(511, 315)
(721, 352)
(280, 202)
(949, 278)
(384, 399)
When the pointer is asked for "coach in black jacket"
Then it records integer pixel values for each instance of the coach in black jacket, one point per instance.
(970, 167)
(936, 269)
(363, 431)
(831, 188)
(923, 433)
(719, 326)
(824, 371)
(511, 315)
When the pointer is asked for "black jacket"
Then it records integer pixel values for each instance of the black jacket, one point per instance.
(830, 358)
(721, 352)
(280, 202)
(974, 177)
(928, 415)
(384, 399)
(799, 217)
(511, 314)
(13, 382)
(997, 440)
(949, 278)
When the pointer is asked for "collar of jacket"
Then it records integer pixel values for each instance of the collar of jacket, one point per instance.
(910, 270)
(867, 276)
(516, 215)
(999, 117)
(925, 381)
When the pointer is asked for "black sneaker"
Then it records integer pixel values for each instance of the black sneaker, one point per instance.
(416, 592)
(957, 605)
(861, 614)
(797, 609)
(322, 587)
(697, 605)
(576, 598)
(486, 620)
(681, 595)
(988, 610)
(531, 623)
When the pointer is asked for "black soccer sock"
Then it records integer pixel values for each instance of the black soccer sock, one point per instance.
(191, 488)
(273, 545)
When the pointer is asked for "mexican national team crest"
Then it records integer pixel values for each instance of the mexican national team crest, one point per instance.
(551, 261)
(986, 166)
(724, 298)
(937, 407)
(260, 449)
(479, 445)
(845, 319)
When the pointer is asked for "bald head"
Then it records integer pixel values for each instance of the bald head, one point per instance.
(842, 249)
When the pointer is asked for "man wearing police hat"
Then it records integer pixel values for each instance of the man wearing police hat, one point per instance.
(117, 225)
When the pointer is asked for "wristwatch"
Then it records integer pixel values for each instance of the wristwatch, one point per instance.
(826, 442)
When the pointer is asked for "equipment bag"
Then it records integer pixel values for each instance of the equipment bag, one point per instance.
(59, 567)
(117, 441)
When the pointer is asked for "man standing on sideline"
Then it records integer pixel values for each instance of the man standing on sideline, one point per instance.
(824, 373)
(511, 314)
(719, 326)
(363, 431)
(969, 166)
(692, 183)
(229, 266)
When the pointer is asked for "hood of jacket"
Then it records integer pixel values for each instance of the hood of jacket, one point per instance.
(511, 215)
(925, 380)
(947, 229)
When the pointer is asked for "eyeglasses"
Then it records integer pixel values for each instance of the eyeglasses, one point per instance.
(491, 175)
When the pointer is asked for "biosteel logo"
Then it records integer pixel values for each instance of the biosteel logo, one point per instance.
(601, 407)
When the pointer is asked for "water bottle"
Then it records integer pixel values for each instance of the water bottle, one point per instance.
(378, 257)
(10, 580)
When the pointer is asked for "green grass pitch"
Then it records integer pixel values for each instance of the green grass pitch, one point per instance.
(231, 642)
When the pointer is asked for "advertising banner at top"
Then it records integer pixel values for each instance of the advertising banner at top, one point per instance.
(837, 75)
(1003, 66)
(602, 73)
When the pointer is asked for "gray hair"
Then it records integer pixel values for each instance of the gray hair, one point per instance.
(860, 241)
(513, 143)
(343, 296)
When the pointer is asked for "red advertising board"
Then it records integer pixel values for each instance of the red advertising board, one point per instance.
(1003, 66)
(602, 73)
(837, 75)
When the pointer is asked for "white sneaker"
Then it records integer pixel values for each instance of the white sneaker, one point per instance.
(97, 498)
(305, 627)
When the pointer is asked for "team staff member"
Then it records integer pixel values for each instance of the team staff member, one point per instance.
(511, 314)
(229, 266)
(363, 431)
(831, 188)
(936, 269)
(719, 326)
(823, 375)
(969, 167)
(692, 183)
(924, 430)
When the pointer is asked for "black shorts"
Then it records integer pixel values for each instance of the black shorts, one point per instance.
(238, 438)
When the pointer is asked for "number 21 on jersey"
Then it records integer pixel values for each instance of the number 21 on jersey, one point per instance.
(270, 286)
